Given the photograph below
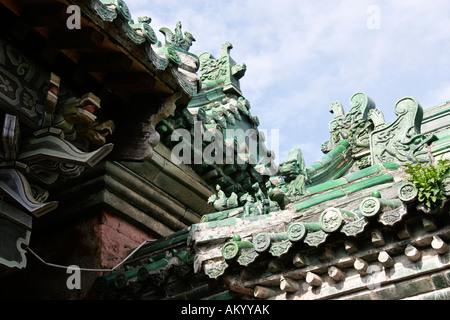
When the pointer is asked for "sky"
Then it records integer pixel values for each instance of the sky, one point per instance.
(301, 56)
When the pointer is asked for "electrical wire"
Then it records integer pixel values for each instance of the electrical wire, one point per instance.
(85, 269)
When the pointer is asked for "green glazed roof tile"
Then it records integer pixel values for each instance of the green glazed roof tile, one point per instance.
(326, 159)
(337, 193)
(363, 173)
(391, 165)
(316, 166)
(367, 183)
(221, 223)
(327, 186)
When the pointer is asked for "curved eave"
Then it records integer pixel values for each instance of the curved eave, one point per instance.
(106, 46)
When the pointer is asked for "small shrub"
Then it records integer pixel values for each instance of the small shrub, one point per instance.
(427, 179)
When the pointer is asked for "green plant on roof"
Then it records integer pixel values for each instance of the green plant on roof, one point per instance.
(428, 180)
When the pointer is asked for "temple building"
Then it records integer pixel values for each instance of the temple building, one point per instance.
(132, 168)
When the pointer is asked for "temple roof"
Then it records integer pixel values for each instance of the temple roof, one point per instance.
(276, 232)
(349, 220)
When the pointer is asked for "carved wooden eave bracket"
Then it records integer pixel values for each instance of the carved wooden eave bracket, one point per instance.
(37, 149)
(46, 154)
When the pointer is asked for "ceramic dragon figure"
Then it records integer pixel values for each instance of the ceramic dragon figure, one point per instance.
(221, 202)
(290, 185)
(79, 116)
(176, 38)
(51, 151)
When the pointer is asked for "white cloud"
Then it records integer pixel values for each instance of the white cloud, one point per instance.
(438, 95)
(303, 55)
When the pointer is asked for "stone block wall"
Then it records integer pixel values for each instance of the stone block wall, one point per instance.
(98, 240)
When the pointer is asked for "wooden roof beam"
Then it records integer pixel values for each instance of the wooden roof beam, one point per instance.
(130, 82)
(45, 15)
(85, 38)
(105, 62)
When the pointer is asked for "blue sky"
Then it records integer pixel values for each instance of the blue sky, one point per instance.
(303, 55)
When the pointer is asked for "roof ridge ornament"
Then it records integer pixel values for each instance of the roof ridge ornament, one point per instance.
(401, 141)
(221, 69)
(143, 29)
(225, 49)
(176, 38)
(119, 5)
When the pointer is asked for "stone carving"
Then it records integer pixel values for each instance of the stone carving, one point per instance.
(215, 269)
(221, 202)
(247, 256)
(314, 239)
(401, 141)
(279, 248)
(355, 227)
(176, 38)
(139, 146)
(391, 217)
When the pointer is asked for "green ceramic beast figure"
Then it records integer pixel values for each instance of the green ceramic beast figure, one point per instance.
(290, 185)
